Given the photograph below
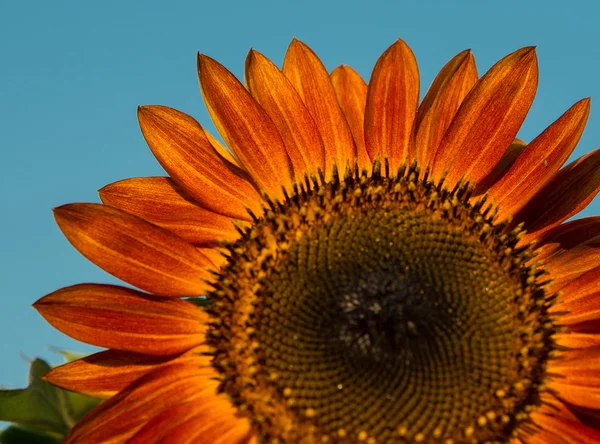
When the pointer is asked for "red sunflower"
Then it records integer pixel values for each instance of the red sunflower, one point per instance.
(375, 269)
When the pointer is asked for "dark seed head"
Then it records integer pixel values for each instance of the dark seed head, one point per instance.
(388, 309)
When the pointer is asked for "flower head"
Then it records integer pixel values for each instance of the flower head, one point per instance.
(375, 269)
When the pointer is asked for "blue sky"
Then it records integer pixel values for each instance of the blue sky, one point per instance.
(73, 73)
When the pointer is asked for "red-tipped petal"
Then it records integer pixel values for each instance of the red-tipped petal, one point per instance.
(124, 319)
(310, 78)
(193, 422)
(566, 194)
(508, 159)
(440, 104)
(581, 298)
(567, 266)
(104, 374)
(569, 235)
(182, 148)
(392, 101)
(161, 201)
(281, 101)
(540, 160)
(489, 118)
(563, 431)
(131, 409)
(245, 127)
(351, 92)
(216, 430)
(135, 250)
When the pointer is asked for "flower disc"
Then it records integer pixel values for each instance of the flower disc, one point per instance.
(381, 309)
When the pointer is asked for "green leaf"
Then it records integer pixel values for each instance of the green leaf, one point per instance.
(19, 435)
(37, 405)
(43, 408)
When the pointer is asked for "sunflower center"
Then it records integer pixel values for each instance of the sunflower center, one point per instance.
(380, 309)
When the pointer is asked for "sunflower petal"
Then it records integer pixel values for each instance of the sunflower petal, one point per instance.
(221, 150)
(182, 148)
(581, 298)
(310, 78)
(193, 422)
(161, 201)
(281, 101)
(245, 127)
(577, 340)
(568, 192)
(569, 235)
(392, 101)
(588, 417)
(146, 398)
(579, 367)
(488, 120)
(569, 265)
(440, 104)
(506, 161)
(218, 256)
(351, 92)
(540, 160)
(124, 319)
(560, 430)
(104, 374)
(585, 396)
(216, 430)
(134, 250)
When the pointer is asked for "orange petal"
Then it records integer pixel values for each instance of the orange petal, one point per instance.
(488, 120)
(103, 374)
(182, 148)
(134, 250)
(392, 101)
(568, 265)
(588, 417)
(566, 194)
(217, 431)
(121, 416)
(351, 92)
(440, 104)
(578, 367)
(124, 319)
(508, 159)
(577, 340)
(310, 78)
(559, 430)
(585, 396)
(161, 201)
(569, 235)
(581, 298)
(193, 422)
(216, 255)
(245, 127)
(221, 150)
(540, 160)
(281, 101)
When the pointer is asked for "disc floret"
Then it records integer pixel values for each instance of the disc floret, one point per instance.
(377, 308)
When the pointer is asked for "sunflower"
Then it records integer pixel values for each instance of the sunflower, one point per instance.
(353, 267)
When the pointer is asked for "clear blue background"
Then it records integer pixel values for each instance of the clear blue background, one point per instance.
(72, 74)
